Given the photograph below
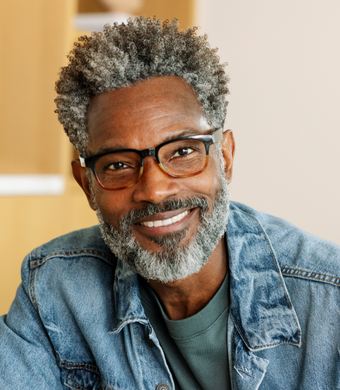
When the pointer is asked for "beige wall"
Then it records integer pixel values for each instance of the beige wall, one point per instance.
(37, 35)
(163, 9)
(284, 63)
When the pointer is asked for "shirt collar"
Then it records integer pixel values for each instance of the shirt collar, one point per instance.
(259, 301)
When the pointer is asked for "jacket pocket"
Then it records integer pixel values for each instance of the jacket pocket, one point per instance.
(80, 376)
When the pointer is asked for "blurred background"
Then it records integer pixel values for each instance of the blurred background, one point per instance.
(284, 66)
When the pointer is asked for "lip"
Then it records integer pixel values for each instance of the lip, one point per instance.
(159, 230)
(163, 216)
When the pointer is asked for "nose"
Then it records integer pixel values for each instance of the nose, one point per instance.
(154, 185)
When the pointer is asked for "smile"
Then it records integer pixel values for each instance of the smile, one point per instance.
(165, 222)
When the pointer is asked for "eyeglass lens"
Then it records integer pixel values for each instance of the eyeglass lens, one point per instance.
(179, 159)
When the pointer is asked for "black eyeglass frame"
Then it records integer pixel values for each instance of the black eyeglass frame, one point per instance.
(207, 139)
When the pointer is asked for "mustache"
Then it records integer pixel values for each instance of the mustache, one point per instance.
(167, 205)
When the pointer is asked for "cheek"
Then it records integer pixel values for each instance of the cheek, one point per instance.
(113, 205)
(213, 171)
(216, 168)
(208, 183)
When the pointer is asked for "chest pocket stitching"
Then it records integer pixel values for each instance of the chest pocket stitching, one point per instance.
(77, 366)
(67, 373)
(80, 386)
(80, 366)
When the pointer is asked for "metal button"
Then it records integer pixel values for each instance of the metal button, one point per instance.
(163, 386)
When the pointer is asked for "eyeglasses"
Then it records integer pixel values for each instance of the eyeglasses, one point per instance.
(179, 158)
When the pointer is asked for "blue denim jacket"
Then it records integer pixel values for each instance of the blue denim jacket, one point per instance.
(77, 321)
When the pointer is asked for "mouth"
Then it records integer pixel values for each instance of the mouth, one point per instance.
(167, 222)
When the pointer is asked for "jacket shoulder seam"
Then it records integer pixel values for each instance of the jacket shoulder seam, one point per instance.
(303, 274)
(72, 253)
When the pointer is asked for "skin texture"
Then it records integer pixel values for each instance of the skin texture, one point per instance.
(141, 117)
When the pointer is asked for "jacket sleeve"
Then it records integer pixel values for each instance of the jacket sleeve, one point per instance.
(27, 359)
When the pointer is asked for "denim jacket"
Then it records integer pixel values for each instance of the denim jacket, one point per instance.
(77, 321)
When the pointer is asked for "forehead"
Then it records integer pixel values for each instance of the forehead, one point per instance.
(147, 112)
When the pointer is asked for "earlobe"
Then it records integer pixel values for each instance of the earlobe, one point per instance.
(228, 150)
(80, 176)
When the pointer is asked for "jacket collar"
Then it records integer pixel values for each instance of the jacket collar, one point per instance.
(261, 308)
(128, 306)
(260, 305)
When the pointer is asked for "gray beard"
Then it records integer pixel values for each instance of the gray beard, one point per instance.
(173, 261)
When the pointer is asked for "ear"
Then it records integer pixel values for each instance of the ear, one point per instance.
(79, 173)
(228, 150)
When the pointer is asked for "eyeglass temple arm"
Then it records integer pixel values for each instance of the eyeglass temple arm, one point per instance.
(82, 161)
(217, 135)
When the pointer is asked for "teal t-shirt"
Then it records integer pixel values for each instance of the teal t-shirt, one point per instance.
(195, 347)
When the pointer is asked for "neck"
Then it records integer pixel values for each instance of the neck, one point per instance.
(184, 298)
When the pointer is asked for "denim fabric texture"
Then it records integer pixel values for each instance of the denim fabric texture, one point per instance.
(77, 321)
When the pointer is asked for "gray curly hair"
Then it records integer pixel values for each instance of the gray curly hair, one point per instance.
(123, 55)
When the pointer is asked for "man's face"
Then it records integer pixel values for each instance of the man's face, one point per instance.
(141, 117)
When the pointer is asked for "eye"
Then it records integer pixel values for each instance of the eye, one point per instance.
(182, 152)
(117, 166)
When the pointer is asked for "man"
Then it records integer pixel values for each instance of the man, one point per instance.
(179, 288)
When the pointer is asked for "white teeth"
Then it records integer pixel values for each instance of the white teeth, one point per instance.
(165, 222)
(175, 218)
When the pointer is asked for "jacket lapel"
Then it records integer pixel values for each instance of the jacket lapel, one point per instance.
(261, 313)
(261, 309)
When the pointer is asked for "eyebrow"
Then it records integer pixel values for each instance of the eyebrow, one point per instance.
(181, 134)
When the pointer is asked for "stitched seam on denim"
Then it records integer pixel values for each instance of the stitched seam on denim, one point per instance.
(233, 355)
(277, 269)
(77, 388)
(31, 288)
(75, 253)
(66, 378)
(244, 370)
(81, 368)
(300, 273)
(77, 384)
(138, 348)
(78, 367)
(115, 295)
(74, 371)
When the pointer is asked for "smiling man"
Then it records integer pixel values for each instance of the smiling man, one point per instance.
(178, 288)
